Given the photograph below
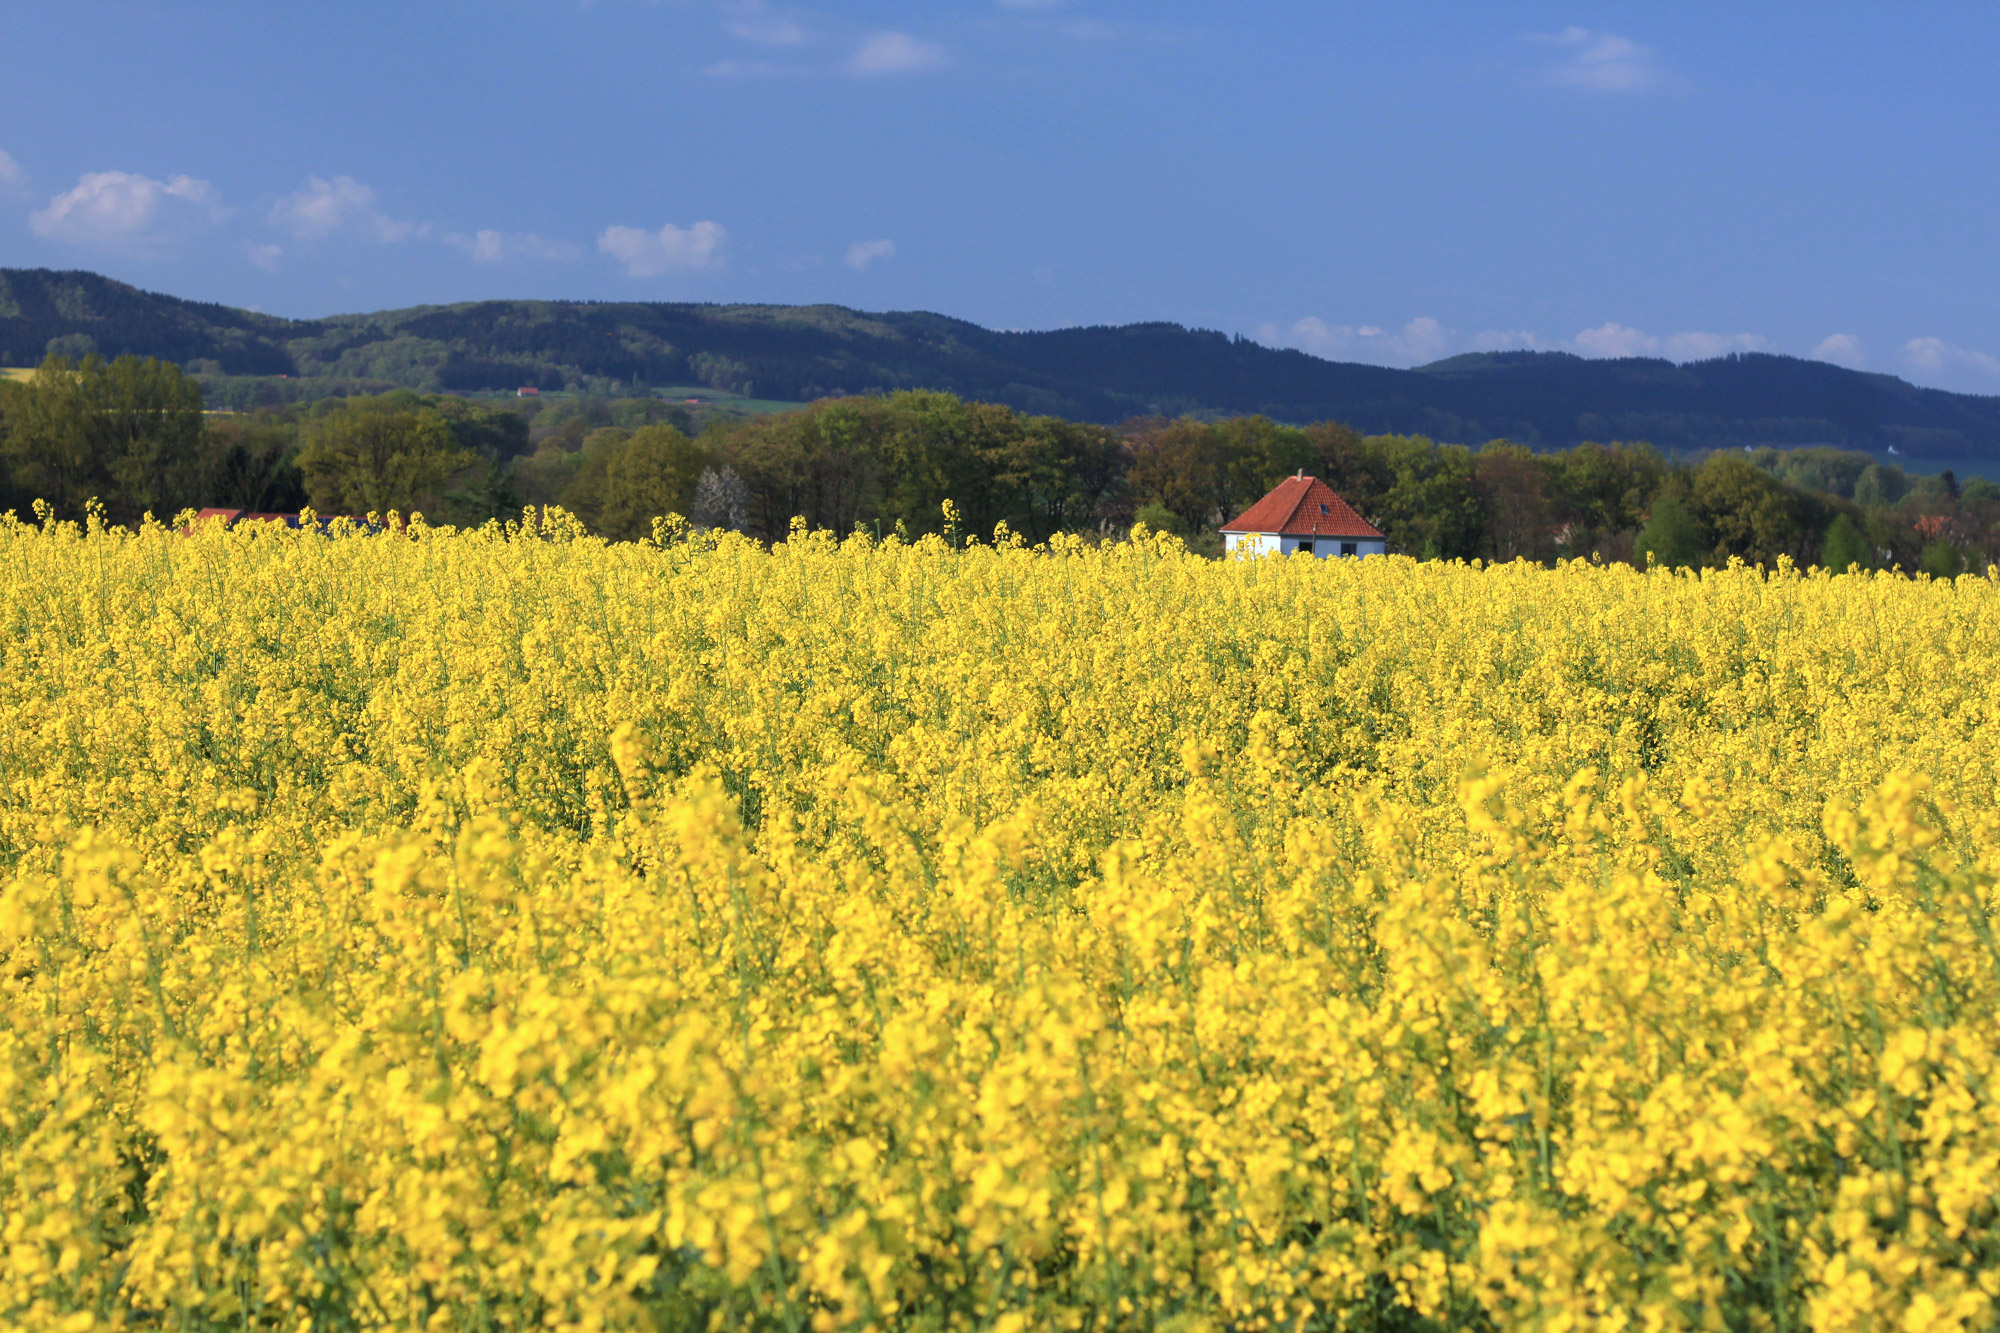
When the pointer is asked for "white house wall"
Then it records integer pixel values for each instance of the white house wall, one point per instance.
(1250, 543)
(1270, 543)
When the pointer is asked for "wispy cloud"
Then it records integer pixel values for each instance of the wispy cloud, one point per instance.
(265, 256)
(1935, 356)
(1614, 340)
(863, 253)
(754, 21)
(122, 211)
(324, 207)
(1422, 339)
(487, 246)
(1602, 62)
(648, 254)
(13, 180)
(896, 53)
(1508, 340)
(1842, 349)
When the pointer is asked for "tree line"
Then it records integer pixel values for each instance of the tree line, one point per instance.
(132, 435)
(246, 360)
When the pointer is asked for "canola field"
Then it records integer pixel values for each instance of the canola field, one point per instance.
(507, 930)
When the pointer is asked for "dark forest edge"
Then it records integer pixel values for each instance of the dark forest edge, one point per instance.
(131, 436)
(794, 354)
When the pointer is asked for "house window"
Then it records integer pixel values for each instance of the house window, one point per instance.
(1306, 545)
(1323, 509)
(1347, 548)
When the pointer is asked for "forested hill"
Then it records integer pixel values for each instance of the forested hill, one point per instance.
(1100, 374)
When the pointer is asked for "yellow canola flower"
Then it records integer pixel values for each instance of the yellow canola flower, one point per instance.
(504, 929)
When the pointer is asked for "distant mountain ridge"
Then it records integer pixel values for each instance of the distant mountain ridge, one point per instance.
(1100, 373)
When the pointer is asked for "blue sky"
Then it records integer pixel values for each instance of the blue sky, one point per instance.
(1387, 183)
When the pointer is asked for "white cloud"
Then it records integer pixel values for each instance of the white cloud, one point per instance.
(1935, 356)
(124, 211)
(863, 253)
(1507, 340)
(1602, 62)
(324, 207)
(896, 53)
(487, 246)
(755, 22)
(1422, 339)
(13, 180)
(1842, 349)
(1613, 340)
(266, 256)
(647, 254)
(1701, 346)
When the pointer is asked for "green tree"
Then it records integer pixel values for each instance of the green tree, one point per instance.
(1066, 477)
(1159, 518)
(249, 462)
(1600, 490)
(1880, 484)
(935, 447)
(1938, 487)
(495, 433)
(1942, 560)
(1511, 483)
(1834, 471)
(1341, 460)
(1429, 508)
(1844, 546)
(375, 455)
(1671, 536)
(1182, 466)
(1753, 515)
(13, 395)
(542, 477)
(72, 346)
(128, 432)
(625, 483)
(1258, 453)
(822, 463)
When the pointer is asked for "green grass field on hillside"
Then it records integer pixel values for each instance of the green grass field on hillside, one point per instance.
(720, 400)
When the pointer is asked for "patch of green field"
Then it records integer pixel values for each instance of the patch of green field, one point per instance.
(720, 400)
(15, 372)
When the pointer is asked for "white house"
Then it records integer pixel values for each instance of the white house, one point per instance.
(1303, 514)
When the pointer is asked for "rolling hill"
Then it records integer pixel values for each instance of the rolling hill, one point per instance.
(1095, 374)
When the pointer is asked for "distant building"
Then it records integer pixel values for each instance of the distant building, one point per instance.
(1303, 515)
(525, 392)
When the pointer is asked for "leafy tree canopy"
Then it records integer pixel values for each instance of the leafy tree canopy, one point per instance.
(391, 453)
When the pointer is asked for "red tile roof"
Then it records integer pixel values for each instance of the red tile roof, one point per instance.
(1304, 506)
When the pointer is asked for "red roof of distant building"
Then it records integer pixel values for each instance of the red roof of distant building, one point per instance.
(1304, 506)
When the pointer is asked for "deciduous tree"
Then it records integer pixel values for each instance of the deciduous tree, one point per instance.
(375, 455)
